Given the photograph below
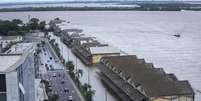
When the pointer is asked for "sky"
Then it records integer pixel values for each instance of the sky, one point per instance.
(13, 1)
(10, 1)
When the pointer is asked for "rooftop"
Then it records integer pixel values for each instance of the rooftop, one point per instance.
(66, 26)
(104, 50)
(20, 48)
(15, 56)
(154, 81)
(8, 61)
(93, 44)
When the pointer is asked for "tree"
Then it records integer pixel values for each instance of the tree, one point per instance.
(90, 95)
(88, 92)
(43, 43)
(34, 20)
(79, 73)
(45, 82)
(56, 45)
(8, 26)
(46, 34)
(56, 19)
(42, 25)
(54, 97)
(52, 41)
(17, 21)
(70, 66)
(33, 23)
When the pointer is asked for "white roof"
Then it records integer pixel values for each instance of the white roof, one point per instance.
(104, 50)
(11, 38)
(20, 48)
(8, 61)
(15, 56)
(65, 26)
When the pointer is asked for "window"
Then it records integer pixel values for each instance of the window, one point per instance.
(3, 83)
(2, 87)
(2, 96)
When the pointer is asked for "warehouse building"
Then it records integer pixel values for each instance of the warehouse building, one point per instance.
(151, 82)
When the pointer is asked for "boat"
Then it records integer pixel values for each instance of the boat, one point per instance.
(177, 35)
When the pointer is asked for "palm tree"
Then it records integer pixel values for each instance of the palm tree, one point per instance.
(70, 66)
(79, 73)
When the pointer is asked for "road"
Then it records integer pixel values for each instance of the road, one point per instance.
(56, 75)
(58, 87)
(52, 70)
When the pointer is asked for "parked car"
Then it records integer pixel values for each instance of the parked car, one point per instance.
(66, 90)
(54, 75)
(70, 98)
(62, 81)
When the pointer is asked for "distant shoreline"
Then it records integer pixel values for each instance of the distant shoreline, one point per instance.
(142, 6)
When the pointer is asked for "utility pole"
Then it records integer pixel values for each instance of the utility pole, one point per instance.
(105, 94)
(88, 76)
(62, 50)
(68, 53)
(76, 64)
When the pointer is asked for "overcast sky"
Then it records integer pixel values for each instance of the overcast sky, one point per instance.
(12, 1)
(6, 1)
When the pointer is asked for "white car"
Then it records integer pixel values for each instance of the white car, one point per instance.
(54, 75)
(70, 98)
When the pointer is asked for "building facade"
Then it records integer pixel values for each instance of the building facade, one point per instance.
(17, 75)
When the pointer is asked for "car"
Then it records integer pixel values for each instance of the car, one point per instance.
(49, 86)
(70, 98)
(54, 75)
(66, 90)
(62, 81)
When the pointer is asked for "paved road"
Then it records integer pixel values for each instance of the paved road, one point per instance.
(58, 87)
(58, 69)
(61, 75)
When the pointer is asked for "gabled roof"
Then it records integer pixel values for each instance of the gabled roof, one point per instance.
(155, 82)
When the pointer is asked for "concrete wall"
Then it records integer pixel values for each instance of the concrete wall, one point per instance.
(28, 81)
(12, 86)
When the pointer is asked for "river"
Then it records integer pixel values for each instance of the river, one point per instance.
(147, 34)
